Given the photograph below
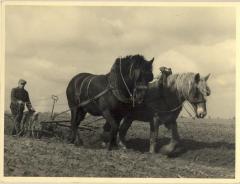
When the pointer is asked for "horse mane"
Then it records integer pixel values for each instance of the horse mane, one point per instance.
(136, 57)
(129, 61)
(138, 60)
(182, 83)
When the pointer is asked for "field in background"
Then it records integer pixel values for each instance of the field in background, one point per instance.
(209, 143)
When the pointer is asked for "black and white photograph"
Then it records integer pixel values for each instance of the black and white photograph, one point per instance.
(119, 91)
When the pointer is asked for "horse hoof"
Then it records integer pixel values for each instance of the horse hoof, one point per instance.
(152, 151)
(122, 145)
(177, 151)
(166, 150)
(113, 147)
(103, 144)
(71, 142)
(78, 143)
(172, 152)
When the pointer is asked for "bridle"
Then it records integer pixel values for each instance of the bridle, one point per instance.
(191, 103)
(135, 88)
(196, 102)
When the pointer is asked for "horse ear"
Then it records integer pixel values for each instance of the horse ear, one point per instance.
(206, 78)
(197, 77)
(151, 61)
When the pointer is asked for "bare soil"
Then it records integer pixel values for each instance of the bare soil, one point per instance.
(209, 153)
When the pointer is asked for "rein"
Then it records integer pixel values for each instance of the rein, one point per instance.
(168, 111)
(132, 95)
(129, 92)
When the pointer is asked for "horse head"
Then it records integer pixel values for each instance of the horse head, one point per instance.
(198, 91)
(135, 73)
(141, 77)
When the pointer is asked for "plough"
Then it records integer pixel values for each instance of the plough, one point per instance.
(32, 127)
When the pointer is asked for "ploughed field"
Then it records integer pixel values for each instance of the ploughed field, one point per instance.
(209, 152)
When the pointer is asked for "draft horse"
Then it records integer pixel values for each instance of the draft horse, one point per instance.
(111, 95)
(163, 106)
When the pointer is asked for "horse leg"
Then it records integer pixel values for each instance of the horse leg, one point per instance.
(175, 139)
(114, 123)
(77, 115)
(105, 134)
(73, 122)
(127, 122)
(154, 127)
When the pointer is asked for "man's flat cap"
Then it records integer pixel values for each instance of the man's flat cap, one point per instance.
(22, 81)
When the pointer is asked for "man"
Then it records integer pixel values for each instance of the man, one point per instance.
(19, 97)
(163, 78)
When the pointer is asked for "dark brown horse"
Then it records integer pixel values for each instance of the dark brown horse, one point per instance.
(164, 106)
(111, 96)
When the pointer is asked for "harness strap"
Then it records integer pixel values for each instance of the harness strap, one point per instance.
(115, 91)
(89, 82)
(80, 91)
(94, 98)
(164, 98)
(113, 83)
(168, 111)
(129, 92)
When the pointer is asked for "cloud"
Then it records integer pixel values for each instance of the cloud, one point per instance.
(121, 25)
(48, 45)
(175, 60)
(221, 54)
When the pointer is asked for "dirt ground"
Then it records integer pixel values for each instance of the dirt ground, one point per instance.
(209, 153)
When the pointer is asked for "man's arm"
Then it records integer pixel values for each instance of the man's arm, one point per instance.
(28, 102)
(13, 96)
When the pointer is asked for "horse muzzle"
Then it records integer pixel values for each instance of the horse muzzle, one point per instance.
(201, 112)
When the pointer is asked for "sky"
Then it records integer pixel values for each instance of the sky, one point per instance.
(48, 45)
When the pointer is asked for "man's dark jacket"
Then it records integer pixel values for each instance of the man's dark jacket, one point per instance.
(20, 94)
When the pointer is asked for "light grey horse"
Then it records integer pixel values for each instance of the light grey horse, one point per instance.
(163, 106)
